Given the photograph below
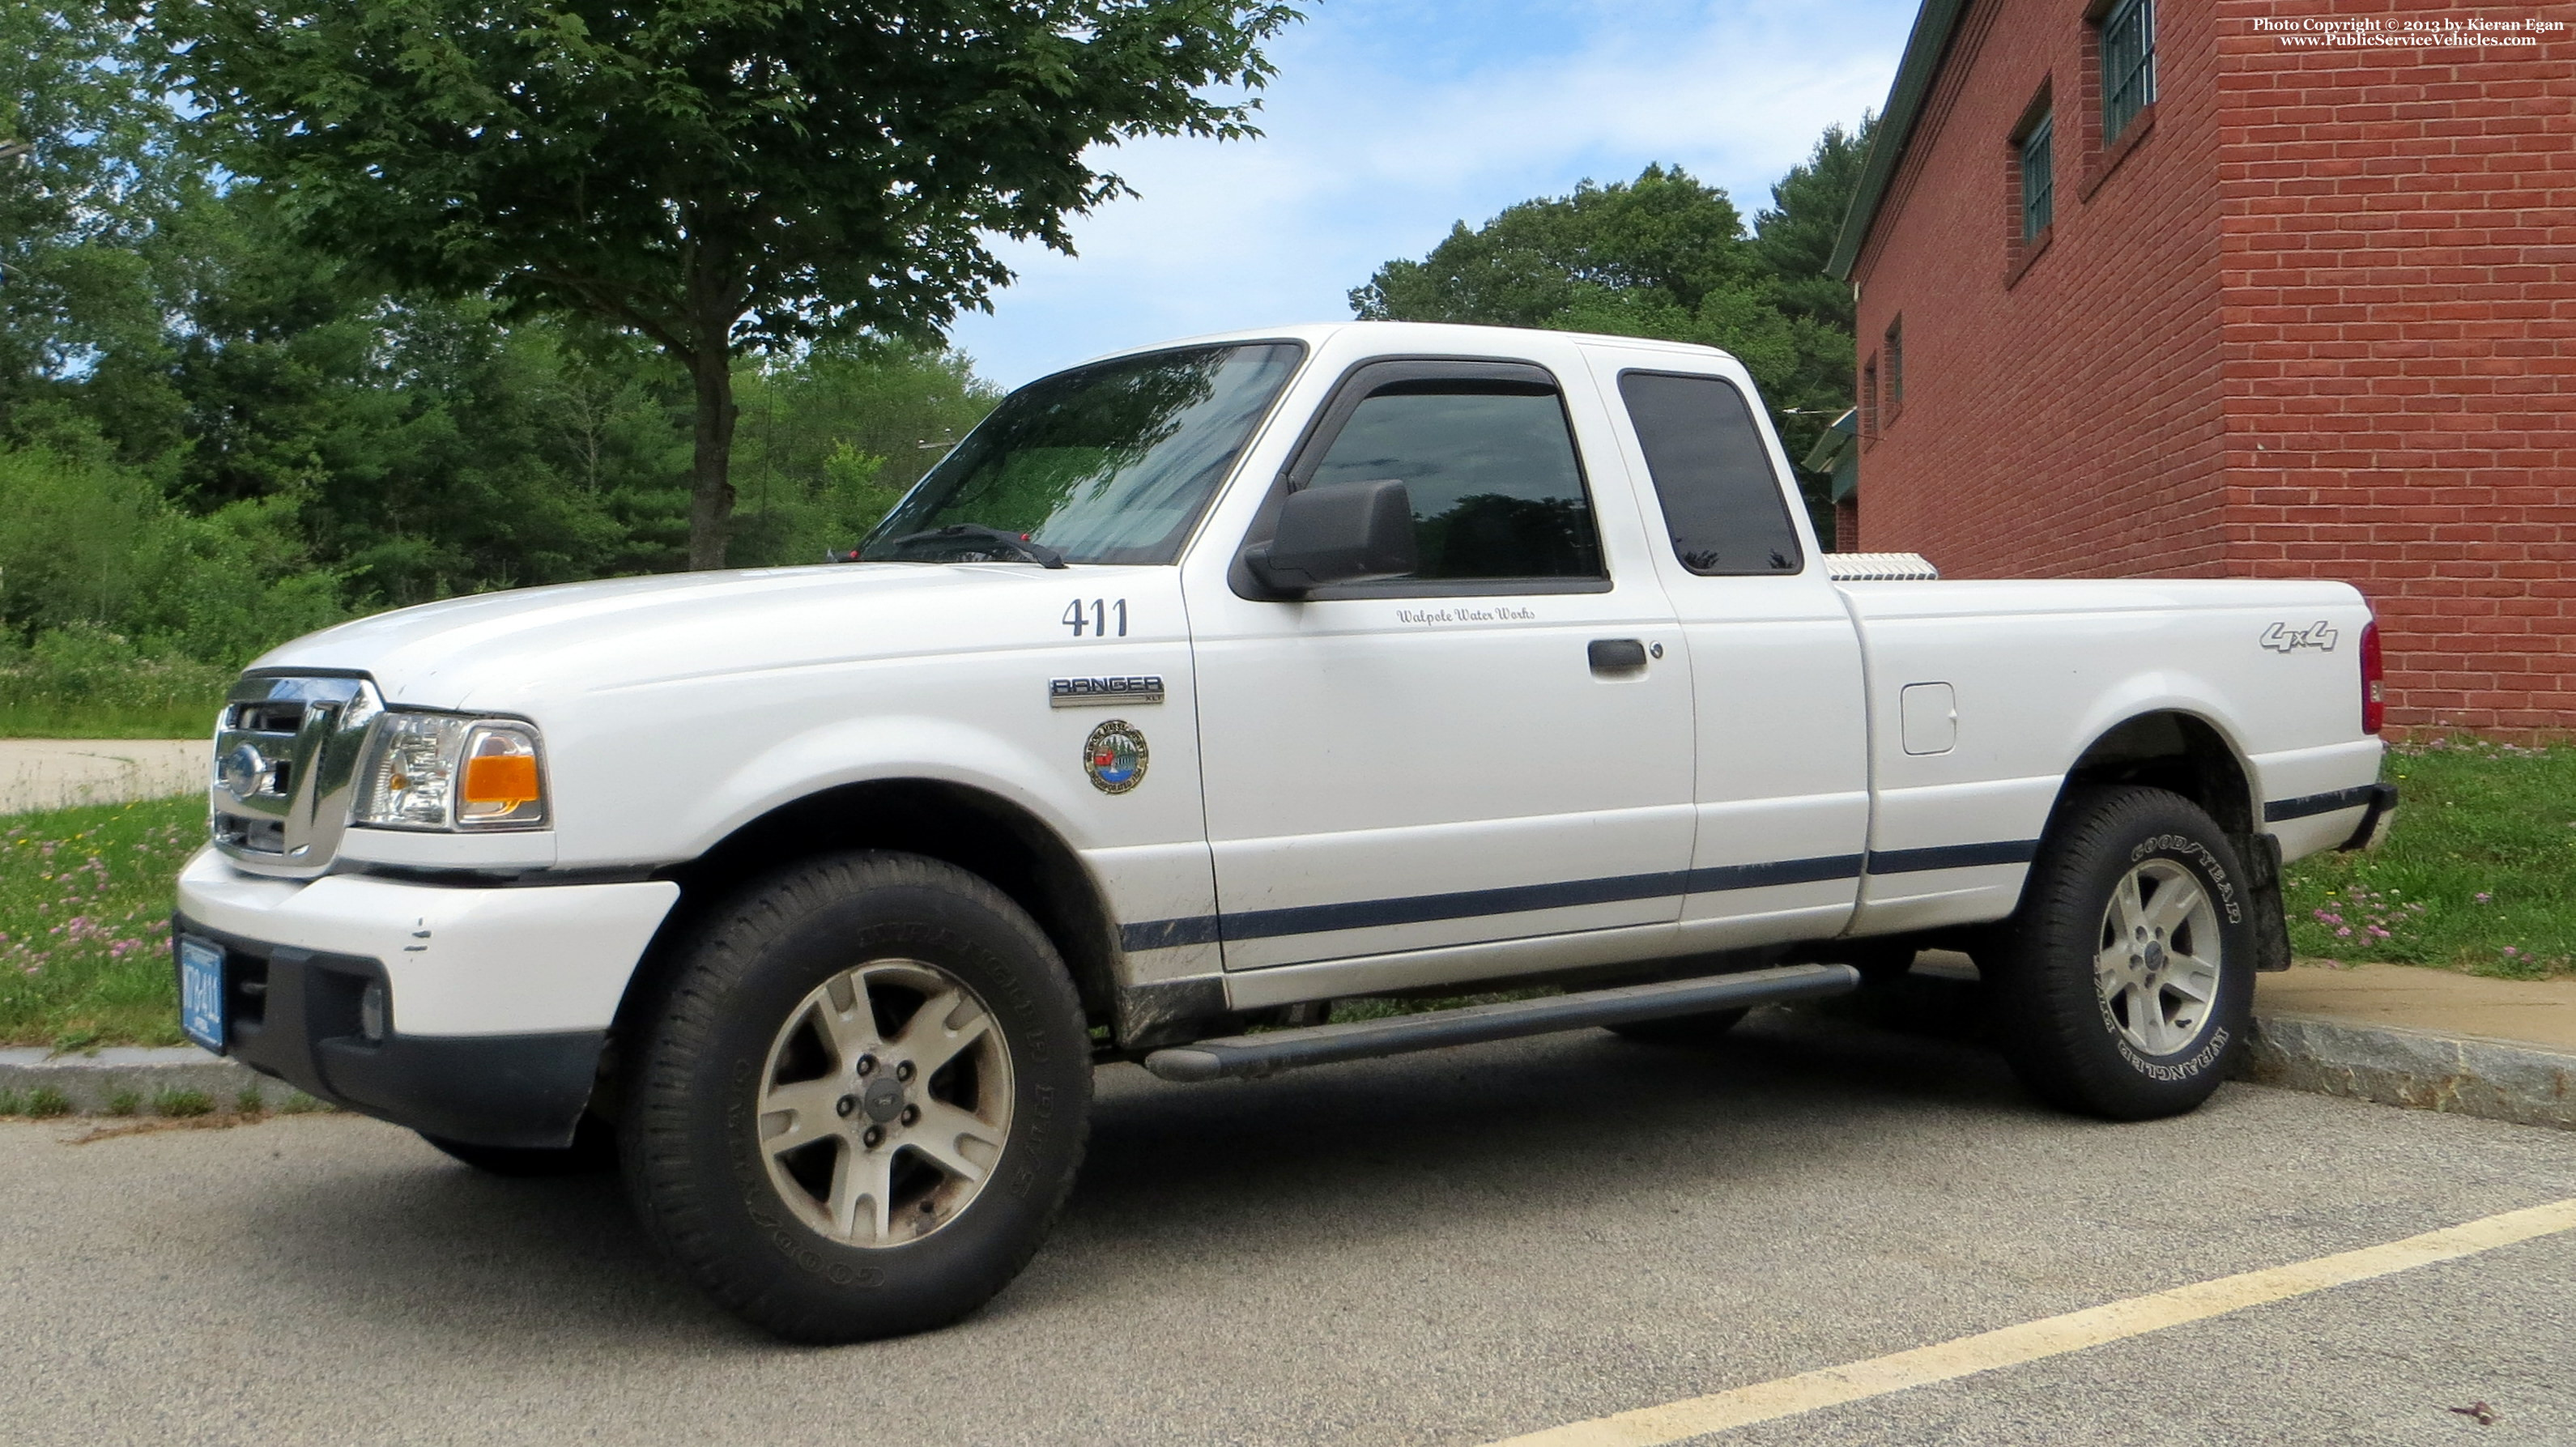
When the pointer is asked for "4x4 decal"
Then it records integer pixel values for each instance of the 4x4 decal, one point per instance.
(2282, 638)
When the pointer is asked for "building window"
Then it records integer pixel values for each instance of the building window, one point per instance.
(2128, 64)
(1869, 400)
(1895, 353)
(2038, 181)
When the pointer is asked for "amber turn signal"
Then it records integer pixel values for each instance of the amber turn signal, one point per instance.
(502, 781)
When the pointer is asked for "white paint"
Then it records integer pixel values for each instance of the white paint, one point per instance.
(457, 961)
(1931, 718)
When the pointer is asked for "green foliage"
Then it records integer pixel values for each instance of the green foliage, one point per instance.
(124, 612)
(70, 530)
(85, 922)
(2478, 873)
(1664, 237)
(182, 1104)
(1666, 256)
(828, 442)
(82, 681)
(45, 1102)
(78, 208)
(1795, 235)
(713, 175)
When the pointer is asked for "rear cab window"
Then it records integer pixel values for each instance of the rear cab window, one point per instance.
(1723, 507)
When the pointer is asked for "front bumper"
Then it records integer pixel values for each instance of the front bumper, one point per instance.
(498, 999)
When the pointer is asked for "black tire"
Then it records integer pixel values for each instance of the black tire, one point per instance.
(2068, 1036)
(1685, 1032)
(704, 1183)
(593, 1152)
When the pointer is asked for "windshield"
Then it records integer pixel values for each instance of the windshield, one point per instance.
(1103, 464)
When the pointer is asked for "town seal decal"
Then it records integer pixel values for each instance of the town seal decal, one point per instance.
(1114, 756)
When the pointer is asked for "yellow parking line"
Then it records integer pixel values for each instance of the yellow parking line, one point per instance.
(2053, 1336)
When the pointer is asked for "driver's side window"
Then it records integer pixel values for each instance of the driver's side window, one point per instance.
(1489, 466)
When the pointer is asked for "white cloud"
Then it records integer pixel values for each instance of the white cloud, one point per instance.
(1390, 120)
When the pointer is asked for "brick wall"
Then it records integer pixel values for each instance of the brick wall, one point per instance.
(2399, 319)
(2068, 422)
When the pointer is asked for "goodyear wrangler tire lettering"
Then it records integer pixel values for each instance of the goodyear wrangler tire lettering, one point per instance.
(2123, 986)
(842, 1064)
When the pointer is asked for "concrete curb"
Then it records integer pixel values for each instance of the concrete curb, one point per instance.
(91, 1083)
(2493, 1079)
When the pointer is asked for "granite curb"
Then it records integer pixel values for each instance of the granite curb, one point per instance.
(2421, 1069)
(91, 1084)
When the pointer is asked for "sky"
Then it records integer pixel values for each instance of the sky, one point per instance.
(1391, 120)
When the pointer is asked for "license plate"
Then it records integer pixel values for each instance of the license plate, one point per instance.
(201, 992)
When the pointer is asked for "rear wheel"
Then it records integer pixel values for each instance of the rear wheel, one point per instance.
(864, 1101)
(2124, 985)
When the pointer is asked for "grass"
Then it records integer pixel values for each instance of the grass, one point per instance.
(99, 721)
(2478, 873)
(85, 899)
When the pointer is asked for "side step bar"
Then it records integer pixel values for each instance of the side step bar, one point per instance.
(1248, 1057)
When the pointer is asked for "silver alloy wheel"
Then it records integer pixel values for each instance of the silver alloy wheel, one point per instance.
(2159, 958)
(885, 1103)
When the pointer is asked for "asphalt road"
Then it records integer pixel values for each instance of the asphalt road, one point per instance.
(1445, 1248)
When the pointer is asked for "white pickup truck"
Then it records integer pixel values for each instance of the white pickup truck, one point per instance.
(1200, 687)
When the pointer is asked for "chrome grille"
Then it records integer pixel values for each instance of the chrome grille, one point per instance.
(286, 752)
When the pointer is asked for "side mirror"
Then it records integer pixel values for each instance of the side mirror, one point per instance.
(1349, 532)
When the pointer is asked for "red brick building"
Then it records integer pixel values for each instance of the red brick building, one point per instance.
(2239, 288)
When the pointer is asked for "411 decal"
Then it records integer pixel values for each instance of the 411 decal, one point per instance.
(1096, 616)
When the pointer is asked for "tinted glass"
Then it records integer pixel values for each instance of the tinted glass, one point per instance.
(1722, 503)
(1495, 489)
(1105, 464)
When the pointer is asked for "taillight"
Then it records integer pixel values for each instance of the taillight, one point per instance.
(2374, 683)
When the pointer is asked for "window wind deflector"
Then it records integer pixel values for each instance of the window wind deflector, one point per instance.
(976, 534)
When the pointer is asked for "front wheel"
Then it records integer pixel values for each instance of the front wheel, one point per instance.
(863, 1101)
(2125, 983)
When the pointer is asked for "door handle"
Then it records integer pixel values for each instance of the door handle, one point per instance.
(1616, 655)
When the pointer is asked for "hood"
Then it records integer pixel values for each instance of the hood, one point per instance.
(509, 652)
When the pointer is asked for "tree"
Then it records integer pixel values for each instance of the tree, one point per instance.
(719, 176)
(830, 444)
(1664, 236)
(1794, 236)
(1663, 256)
(1667, 256)
(90, 177)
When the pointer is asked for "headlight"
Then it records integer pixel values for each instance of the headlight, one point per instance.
(448, 771)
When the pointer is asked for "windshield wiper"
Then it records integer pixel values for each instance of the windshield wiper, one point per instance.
(1036, 552)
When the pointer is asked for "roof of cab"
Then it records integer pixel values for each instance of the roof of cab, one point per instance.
(1459, 337)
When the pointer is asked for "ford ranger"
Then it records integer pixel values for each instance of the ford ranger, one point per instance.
(1198, 688)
